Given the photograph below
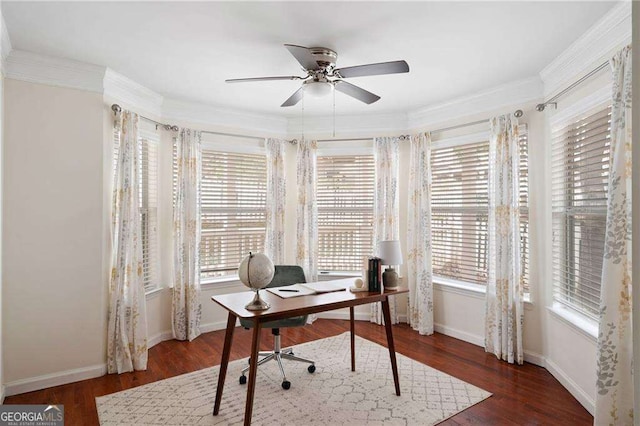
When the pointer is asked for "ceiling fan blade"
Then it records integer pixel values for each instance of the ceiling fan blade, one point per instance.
(394, 67)
(294, 99)
(302, 55)
(245, 80)
(355, 92)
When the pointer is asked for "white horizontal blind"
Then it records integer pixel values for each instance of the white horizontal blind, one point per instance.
(523, 143)
(580, 167)
(148, 202)
(345, 192)
(460, 207)
(233, 199)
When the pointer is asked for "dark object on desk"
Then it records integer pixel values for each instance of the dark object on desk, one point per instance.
(375, 274)
(284, 275)
(284, 289)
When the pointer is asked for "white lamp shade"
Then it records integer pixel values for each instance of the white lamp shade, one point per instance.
(390, 252)
(317, 89)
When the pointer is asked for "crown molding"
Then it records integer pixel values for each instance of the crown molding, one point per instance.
(611, 32)
(43, 69)
(348, 125)
(131, 95)
(5, 44)
(506, 95)
(192, 112)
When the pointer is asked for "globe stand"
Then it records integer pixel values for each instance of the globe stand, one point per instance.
(257, 304)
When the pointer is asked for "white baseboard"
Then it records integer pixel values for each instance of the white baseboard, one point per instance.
(535, 359)
(159, 338)
(459, 334)
(215, 326)
(568, 383)
(358, 316)
(54, 379)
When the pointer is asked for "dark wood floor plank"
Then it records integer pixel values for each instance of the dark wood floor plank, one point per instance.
(523, 395)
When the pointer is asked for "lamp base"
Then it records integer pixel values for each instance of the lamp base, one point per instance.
(257, 304)
(390, 278)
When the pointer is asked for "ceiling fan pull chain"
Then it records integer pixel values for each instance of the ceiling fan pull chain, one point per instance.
(334, 112)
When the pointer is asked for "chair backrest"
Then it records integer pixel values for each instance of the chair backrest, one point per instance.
(287, 275)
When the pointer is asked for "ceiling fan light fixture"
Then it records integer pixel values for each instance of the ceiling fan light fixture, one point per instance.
(317, 89)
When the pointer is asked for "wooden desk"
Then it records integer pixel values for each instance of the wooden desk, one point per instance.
(295, 306)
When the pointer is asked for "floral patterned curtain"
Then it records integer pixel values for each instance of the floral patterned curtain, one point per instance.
(385, 206)
(127, 318)
(276, 198)
(504, 309)
(186, 309)
(614, 384)
(419, 268)
(307, 211)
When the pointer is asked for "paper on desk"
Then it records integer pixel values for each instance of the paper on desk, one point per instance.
(306, 289)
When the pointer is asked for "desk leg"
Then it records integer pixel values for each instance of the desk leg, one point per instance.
(392, 350)
(353, 339)
(228, 337)
(253, 370)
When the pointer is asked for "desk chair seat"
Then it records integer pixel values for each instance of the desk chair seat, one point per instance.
(284, 275)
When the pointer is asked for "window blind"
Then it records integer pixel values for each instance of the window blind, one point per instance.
(345, 192)
(233, 208)
(523, 143)
(460, 208)
(148, 202)
(580, 167)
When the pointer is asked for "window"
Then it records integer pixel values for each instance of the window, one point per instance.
(580, 167)
(345, 211)
(148, 202)
(460, 209)
(233, 203)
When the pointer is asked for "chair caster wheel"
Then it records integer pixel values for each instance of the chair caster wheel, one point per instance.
(286, 385)
(311, 368)
(243, 380)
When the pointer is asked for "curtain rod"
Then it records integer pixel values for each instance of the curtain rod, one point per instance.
(116, 109)
(401, 137)
(517, 113)
(552, 101)
(172, 127)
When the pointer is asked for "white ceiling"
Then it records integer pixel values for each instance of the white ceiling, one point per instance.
(186, 50)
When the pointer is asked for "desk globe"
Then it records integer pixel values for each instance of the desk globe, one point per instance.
(256, 272)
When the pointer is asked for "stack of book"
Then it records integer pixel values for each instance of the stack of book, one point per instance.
(374, 274)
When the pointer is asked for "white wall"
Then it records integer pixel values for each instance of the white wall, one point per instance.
(2, 345)
(54, 286)
(3, 52)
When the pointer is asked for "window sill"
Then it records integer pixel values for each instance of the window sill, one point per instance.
(152, 294)
(580, 323)
(468, 289)
(339, 274)
(228, 281)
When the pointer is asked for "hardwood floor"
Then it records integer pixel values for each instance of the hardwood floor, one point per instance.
(522, 395)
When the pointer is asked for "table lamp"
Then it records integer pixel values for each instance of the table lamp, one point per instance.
(391, 254)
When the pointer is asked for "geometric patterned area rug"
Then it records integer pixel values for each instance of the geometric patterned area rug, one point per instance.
(333, 395)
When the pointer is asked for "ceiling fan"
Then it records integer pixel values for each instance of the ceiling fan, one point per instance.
(322, 75)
